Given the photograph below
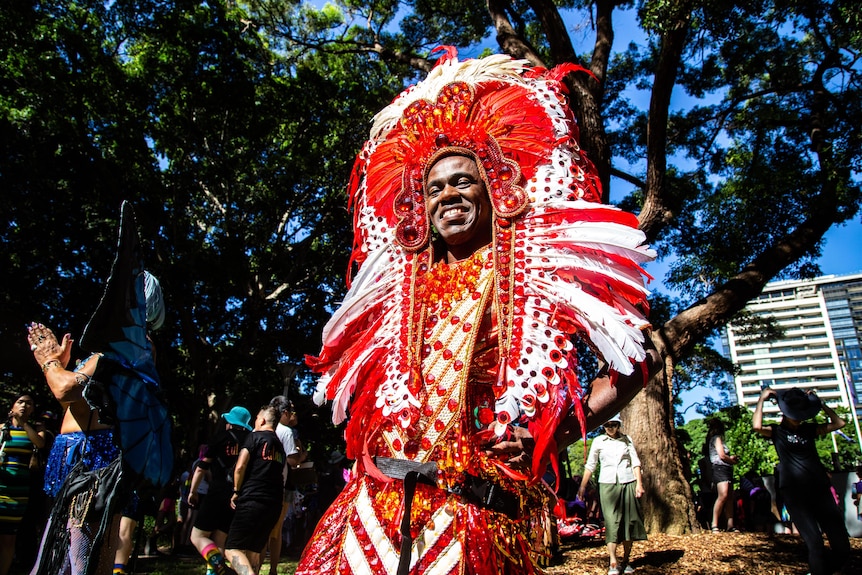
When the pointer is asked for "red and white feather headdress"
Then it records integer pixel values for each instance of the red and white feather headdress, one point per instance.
(565, 265)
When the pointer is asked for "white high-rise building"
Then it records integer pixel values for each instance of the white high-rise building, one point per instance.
(820, 348)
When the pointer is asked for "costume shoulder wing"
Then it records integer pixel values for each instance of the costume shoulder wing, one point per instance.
(125, 387)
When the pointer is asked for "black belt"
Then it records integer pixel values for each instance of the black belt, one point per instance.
(489, 495)
(479, 492)
(399, 468)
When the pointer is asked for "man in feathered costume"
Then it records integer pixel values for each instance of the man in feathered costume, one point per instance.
(452, 350)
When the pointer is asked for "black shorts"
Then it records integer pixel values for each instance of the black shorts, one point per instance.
(215, 512)
(721, 473)
(252, 524)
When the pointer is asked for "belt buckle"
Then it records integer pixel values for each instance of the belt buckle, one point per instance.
(484, 493)
(481, 491)
(490, 494)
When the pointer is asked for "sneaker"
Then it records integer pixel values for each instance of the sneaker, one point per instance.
(613, 570)
(628, 570)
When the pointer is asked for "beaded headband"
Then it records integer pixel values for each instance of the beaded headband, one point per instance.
(434, 130)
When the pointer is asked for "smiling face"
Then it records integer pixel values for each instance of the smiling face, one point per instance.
(458, 205)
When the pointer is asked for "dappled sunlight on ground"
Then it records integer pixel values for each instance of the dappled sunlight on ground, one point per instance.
(702, 554)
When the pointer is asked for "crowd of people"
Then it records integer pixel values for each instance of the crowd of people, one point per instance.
(232, 503)
(250, 504)
(800, 498)
(265, 460)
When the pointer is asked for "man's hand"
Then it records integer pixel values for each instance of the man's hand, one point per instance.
(518, 445)
(44, 345)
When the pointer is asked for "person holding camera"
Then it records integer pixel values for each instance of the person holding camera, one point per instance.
(803, 481)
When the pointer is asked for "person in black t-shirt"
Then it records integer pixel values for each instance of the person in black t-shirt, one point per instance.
(258, 492)
(802, 479)
(213, 520)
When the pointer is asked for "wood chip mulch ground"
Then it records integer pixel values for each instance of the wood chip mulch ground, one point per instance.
(702, 554)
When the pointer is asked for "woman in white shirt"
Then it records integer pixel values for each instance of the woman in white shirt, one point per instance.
(620, 488)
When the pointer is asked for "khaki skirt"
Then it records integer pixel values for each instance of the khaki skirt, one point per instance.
(622, 512)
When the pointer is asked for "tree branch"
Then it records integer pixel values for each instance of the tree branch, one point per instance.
(509, 40)
(627, 177)
(587, 93)
(411, 60)
(659, 209)
(604, 42)
(555, 31)
(681, 333)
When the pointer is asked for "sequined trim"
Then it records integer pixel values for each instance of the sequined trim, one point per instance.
(98, 451)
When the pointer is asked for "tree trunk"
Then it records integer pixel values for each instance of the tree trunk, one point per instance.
(668, 501)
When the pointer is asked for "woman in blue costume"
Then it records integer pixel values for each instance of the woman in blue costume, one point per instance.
(18, 440)
(115, 420)
(82, 435)
(114, 416)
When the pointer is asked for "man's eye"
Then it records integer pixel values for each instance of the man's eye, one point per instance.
(465, 183)
(432, 192)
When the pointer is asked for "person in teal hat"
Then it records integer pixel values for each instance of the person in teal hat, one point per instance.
(238, 416)
(213, 520)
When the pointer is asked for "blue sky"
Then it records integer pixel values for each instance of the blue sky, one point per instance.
(841, 255)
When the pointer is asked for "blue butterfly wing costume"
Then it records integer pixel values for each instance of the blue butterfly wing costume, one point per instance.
(125, 386)
(125, 389)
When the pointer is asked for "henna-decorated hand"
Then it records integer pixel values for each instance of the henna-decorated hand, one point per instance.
(45, 347)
